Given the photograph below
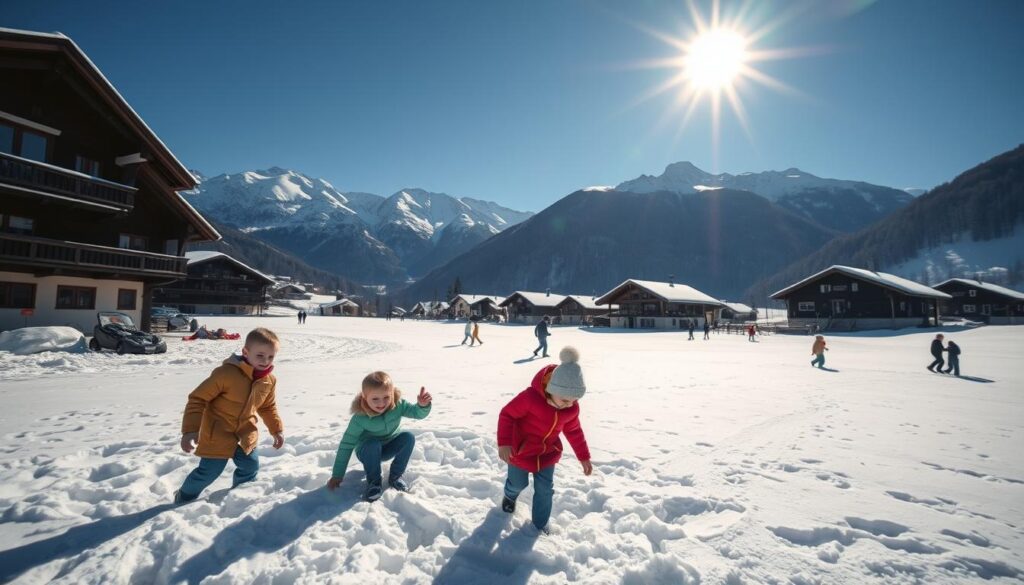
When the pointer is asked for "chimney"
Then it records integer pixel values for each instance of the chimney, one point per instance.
(671, 280)
(548, 292)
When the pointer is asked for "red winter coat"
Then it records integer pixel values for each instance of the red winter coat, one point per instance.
(531, 427)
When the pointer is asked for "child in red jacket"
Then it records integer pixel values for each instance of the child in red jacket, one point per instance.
(528, 429)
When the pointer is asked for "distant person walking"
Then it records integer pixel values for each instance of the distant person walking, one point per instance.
(937, 350)
(818, 350)
(707, 329)
(541, 333)
(299, 317)
(751, 331)
(954, 358)
(689, 328)
(468, 332)
(304, 315)
(476, 333)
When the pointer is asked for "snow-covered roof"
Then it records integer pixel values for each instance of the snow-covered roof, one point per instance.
(431, 306)
(474, 299)
(1002, 290)
(201, 256)
(737, 307)
(339, 302)
(284, 285)
(537, 299)
(586, 301)
(667, 291)
(891, 281)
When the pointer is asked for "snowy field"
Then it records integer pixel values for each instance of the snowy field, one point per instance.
(718, 461)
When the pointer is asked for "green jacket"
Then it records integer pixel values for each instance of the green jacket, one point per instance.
(381, 426)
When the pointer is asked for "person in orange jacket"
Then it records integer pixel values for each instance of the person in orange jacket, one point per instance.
(221, 415)
(818, 350)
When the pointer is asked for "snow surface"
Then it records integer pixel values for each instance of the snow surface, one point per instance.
(718, 461)
(964, 257)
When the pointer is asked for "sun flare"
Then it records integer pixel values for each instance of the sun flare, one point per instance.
(715, 58)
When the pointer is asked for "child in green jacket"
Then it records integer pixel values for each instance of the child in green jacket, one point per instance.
(373, 433)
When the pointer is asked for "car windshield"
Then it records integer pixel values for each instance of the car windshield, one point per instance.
(116, 319)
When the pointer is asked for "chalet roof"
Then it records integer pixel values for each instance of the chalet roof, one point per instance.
(284, 285)
(178, 176)
(205, 256)
(537, 299)
(737, 307)
(891, 281)
(431, 305)
(586, 301)
(669, 292)
(474, 299)
(341, 302)
(995, 288)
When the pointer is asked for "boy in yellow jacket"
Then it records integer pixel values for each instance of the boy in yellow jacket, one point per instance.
(221, 415)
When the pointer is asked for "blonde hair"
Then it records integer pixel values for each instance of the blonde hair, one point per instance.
(261, 335)
(375, 381)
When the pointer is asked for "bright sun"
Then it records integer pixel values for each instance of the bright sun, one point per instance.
(715, 58)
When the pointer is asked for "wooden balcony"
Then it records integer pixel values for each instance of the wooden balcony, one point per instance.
(43, 253)
(32, 177)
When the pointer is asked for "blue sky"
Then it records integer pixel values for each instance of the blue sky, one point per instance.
(524, 102)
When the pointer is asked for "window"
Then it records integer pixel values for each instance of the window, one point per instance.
(806, 307)
(126, 299)
(839, 288)
(986, 309)
(17, 295)
(825, 288)
(76, 297)
(970, 309)
(6, 139)
(15, 224)
(903, 305)
(171, 247)
(33, 146)
(87, 166)
(853, 286)
(132, 242)
(646, 323)
(972, 293)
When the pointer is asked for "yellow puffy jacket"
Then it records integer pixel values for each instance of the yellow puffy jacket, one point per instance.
(223, 409)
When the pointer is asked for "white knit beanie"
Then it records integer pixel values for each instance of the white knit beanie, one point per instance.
(567, 379)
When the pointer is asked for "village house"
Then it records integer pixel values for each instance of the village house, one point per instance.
(343, 307)
(90, 217)
(290, 291)
(466, 305)
(217, 284)
(428, 309)
(580, 310)
(842, 297)
(645, 304)
(737, 313)
(531, 307)
(982, 301)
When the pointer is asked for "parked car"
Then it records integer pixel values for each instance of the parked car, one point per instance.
(118, 332)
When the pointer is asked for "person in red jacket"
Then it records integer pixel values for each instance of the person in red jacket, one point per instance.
(528, 429)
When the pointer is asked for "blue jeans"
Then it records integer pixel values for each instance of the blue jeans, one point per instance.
(954, 365)
(543, 345)
(543, 490)
(210, 469)
(373, 451)
(819, 360)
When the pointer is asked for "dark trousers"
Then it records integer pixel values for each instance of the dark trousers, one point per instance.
(938, 362)
(373, 451)
(543, 345)
(954, 365)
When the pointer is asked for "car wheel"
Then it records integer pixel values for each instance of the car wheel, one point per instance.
(120, 348)
(94, 345)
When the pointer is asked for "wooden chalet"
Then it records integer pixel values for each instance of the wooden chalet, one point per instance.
(428, 309)
(645, 304)
(290, 291)
(90, 217)
(982, 301)
(842, 297)
(217, 284)
(343, 307)
(580, 310)
(466, 305)
(737, 313)
(531, 307)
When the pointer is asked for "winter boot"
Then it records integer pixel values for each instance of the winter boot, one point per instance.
(372, 493)
(508, 505)
(399, 484)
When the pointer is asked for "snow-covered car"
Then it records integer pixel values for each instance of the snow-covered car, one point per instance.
(117, 331)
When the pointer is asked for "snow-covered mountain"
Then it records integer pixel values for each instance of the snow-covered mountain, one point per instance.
(837, 204)
(362, 236)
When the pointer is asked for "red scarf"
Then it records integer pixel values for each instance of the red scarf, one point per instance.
(257, 374)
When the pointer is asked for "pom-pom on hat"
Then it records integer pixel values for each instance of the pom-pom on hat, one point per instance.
(567, 379)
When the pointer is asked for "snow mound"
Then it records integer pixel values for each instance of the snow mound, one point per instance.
(29, 340)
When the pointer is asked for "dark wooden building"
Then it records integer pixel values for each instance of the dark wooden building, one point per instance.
(646, 304)
(530, 307)
(581, 310)
(217, 284)
(982, 301)
(842, 297)
(90, 217)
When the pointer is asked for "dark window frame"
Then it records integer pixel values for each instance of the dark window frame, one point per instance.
(135, 299)
(76, 291)
(12, 305)
(132, 240)
(87, 166)
(5, 224)
(17, 142)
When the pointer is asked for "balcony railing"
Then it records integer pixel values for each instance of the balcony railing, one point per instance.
(49, 179)
(61, 254)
